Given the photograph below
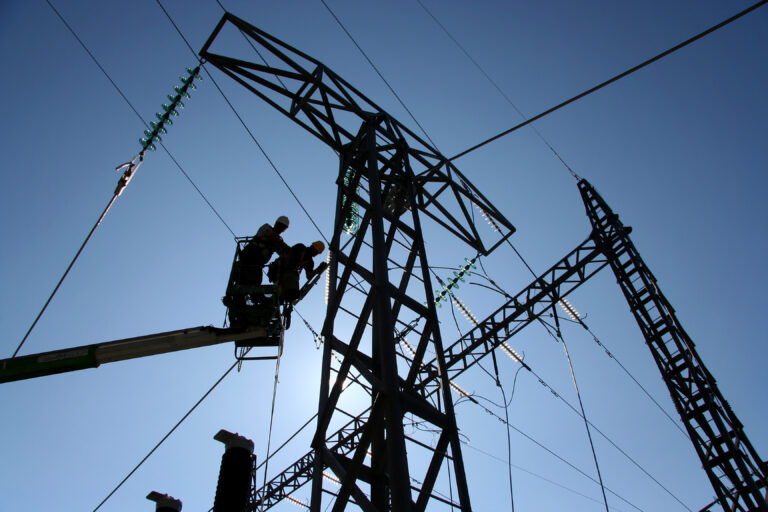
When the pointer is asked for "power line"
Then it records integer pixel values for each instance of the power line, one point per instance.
(66, 272)
(166, 436)
(611, 80)
(519, 468)
(548, 450)
(379, 73)
(132, 167)
(581, 415)
(610, 354)
(178, 31)
(496, 86)
(127, 101)
(237, 114)
(271, 163)
(557, 395)
(578, 319)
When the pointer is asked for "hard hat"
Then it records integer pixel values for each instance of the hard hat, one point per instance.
(282, 220)
(318, 246)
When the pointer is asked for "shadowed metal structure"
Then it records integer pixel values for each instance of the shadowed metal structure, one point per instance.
(390, 183)
(738, 475)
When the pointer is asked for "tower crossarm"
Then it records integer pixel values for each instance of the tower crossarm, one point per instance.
(542, 294)
(344, 441)
(738, 475)
(320, 101)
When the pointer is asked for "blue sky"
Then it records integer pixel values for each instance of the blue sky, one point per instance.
(677, 149)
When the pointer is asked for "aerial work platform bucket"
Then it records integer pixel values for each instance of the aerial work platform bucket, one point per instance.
(254, 307)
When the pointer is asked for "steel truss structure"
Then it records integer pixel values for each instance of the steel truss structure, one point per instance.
(389, 183)
(738, 475)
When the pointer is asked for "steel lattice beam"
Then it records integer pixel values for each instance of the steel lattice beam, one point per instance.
(394, 177)
(389, 178)
(738, 475)
(543, 293)
(320, 101)
(369, 173)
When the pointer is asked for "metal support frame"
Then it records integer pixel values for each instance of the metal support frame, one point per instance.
(396, 179)
(384, 298)
(738, 475)
(558, 281)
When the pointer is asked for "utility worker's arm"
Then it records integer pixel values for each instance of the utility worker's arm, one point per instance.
(282, 247)
(308, 265)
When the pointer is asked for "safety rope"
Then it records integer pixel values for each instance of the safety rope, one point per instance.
(509, 440)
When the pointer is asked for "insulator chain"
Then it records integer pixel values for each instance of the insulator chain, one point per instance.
(318, 338)
(158, 127)
(488, 218)
(169, 109)
(569, 309)
(454, 281)
(352, 220)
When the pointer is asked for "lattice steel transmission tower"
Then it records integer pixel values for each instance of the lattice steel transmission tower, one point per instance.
(389, 182)
(736, 472)
(381, 321)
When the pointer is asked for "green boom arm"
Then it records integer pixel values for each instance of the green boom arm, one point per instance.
(91, 356)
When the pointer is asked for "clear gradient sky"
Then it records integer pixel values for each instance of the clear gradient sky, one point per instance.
(678, 150)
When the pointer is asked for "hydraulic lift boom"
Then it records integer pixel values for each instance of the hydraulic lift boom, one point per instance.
(91, 356)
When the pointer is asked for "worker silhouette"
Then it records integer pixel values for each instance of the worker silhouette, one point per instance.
(286, 269)
(257, 253)
(245, 282)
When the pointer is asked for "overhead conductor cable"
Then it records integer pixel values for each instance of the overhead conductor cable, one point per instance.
(129, 170)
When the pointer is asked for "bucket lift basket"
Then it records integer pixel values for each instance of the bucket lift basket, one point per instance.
(253, 307)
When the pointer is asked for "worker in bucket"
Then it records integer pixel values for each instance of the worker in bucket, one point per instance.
(257, 253)
(246, 277)
(285, 270)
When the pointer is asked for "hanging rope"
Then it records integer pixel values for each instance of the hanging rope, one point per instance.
(509, 439)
